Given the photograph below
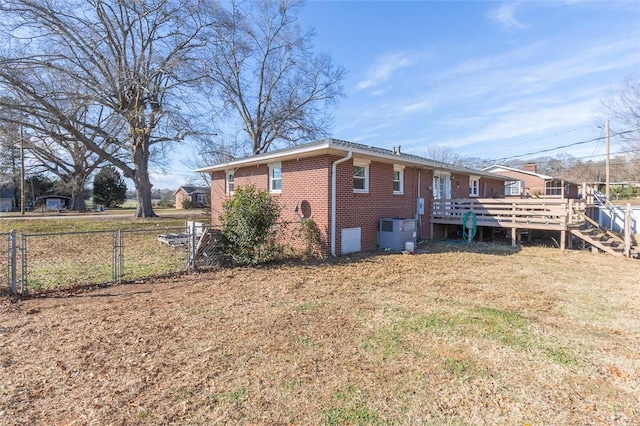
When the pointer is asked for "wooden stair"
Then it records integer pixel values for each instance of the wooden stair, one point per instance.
(602, 239)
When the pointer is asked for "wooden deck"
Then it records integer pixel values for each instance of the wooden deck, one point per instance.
(550, 214)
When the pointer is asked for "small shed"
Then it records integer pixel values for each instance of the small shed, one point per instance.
(54, 202)
(7, 199)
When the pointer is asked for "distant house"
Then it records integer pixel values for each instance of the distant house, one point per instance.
(191, 197)
(530, 183)
(7, 199)
(352, 191)
(54, 202)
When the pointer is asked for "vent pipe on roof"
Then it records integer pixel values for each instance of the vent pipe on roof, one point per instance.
(396, 150)
(333, 200)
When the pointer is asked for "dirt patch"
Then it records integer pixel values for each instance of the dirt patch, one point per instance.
(456, 335)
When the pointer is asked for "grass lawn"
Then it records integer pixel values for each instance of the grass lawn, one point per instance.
(479, 334)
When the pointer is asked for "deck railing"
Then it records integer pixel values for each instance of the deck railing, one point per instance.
(529, 213)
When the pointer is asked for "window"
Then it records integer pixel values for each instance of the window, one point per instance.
(398, 180)
(474, 186)
(361, 176)
(230, 184)
(513, 187)
(275, 178)
(200, 198)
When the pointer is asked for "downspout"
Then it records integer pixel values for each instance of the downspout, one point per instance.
(333, 200)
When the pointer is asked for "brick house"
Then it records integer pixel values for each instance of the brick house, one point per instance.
(529, 183)
(195, 195)
(347, 188)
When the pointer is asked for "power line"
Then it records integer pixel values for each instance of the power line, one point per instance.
(552, 135)
(563, 146)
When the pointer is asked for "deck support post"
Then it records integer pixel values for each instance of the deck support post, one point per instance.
(627, 231)
(514, 237)
(563, 240)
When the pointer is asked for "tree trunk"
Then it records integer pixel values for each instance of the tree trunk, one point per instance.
(77, 201)
(78, 194)
(142, 183)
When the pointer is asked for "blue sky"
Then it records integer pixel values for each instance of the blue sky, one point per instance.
(488, 79)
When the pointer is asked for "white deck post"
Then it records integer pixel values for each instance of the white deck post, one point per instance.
(627, 230)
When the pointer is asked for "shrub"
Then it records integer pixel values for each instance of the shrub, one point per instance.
(311, 234)
(248, 225)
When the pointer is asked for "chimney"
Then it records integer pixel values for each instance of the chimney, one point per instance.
(531, 167)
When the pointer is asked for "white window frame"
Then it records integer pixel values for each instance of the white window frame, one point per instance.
(441, 185)
(364, 164)
(230, 182)
(514, 187)
(400, 170)
(474, 186)
(272, 180)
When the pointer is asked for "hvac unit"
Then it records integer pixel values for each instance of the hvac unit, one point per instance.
(394, 233)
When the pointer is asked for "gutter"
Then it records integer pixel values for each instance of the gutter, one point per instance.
(333, 200)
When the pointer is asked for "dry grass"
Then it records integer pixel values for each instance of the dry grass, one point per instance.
(487, 336)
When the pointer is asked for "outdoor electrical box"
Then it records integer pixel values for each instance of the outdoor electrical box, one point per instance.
(394, 233)
(420, 206)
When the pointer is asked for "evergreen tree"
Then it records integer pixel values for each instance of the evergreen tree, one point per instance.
(109, 187)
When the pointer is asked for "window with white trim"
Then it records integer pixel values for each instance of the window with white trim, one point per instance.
(398, 180)
(230, 183)
(474, 186)
(361, 176)
(513, 187)
(200, 198)
(275, 177)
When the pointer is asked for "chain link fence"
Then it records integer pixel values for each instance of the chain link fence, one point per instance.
(51, 262)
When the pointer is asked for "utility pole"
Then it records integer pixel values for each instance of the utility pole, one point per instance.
(607, 167)
(22, 197)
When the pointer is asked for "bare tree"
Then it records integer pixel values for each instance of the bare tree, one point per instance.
(624, 104)
(69, 160)
(267, 74)
(127, 63)
(442, 153)
(10, 159)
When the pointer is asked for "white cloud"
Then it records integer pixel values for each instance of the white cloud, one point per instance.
(505, 16)
(384, 68)
(527, 121)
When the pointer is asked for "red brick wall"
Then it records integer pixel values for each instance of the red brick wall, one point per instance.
(181, 195)
(307, 184)
(256, 175)
(366, 210)
(491, 188)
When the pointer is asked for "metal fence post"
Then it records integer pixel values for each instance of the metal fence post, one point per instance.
(23, 263)
(192, 263)
(12, 259)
